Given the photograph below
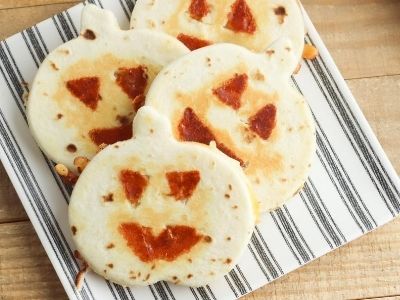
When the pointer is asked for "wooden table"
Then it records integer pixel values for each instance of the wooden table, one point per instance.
(364, 38)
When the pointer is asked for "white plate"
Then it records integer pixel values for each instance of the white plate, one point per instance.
(352, 189)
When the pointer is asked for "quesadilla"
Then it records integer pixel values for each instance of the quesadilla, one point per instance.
(87, 91)
(244, 103)
(152, 208)
(254, 24)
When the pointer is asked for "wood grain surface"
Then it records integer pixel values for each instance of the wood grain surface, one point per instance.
(363, 36)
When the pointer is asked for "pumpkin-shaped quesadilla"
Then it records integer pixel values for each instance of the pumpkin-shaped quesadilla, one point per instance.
(254, 24)
(152, 208)
(87, 91)
(243, 102)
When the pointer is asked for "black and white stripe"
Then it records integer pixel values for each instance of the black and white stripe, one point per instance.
(125, 5)
(284, 221)
(344, 186)
(62, 22)
(203, 293)
(332, 233)
(263, 256)
(162, 291)
(40, 207)
(293, 238)
(96, 2)
(38, 50)
(240, 284)
(340, 177)
(355, 135)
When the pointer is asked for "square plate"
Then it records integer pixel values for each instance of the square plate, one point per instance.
(352, 188)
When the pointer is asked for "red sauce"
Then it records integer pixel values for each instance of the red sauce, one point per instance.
(192, 42)
(111, 135)
(264, 121)
(134, 184)
(192, 129)
(86, 89)
(240, 19)
(232, 90)
(224, 149)
(183, 184)
(138, 102)
(198, 9)
(133, 81)
(168, 245)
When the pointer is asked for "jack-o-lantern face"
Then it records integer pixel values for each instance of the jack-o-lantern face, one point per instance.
(254, 24)
(87, 91)
(153, 208)
(244, 103)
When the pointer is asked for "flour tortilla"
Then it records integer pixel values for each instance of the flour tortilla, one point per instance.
(220, 208)
(59, 121)
(276, 167)
(273, 19)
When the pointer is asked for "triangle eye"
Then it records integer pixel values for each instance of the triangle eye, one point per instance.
(264, 121)
(133, 81)
(183, 184)
(134, 185)
(241, 19)
(198, 9)
(86, 89)
(231, 91)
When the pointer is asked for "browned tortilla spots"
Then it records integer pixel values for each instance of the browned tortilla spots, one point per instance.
(122, 119)
(108, 198)
(74, 230)
(280, 12)
(71, 148)
(208, 239)
(89, 34)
